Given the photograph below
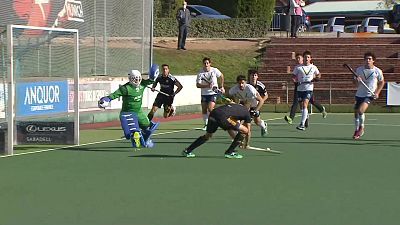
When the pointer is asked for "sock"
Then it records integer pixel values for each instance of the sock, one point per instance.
(357, 121)
(362, 119)
(304, 115)
(150, 116)
(262, 124)
(238, 139)
(199, 141)
(205, 118)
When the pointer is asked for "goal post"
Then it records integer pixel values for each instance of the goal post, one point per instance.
(42, 86)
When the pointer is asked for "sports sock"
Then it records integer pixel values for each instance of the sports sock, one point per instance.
(304, 115)
(205, 118)
(357, 121)
(362, 119)
(262, 124)
(199, 141)
(150, 116)
(238, 139)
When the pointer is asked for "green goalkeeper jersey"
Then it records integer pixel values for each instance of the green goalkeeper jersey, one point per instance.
(131, 96)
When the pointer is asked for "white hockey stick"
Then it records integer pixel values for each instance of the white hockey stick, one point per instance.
(361, 81)
(263, 149)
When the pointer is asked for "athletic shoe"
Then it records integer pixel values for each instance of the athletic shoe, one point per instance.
(205, 127)
(324, 113)
(264, 131)
(301, 127)
(172, 111)
(288, 120)
(188, 154)
(306, 123)
(356, 135)
(233, 155)
(135, 139)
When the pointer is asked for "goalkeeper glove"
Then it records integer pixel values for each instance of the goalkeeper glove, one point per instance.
(103, 102)
(154, 72)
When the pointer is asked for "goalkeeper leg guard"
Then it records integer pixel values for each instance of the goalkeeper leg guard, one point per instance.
(130, 126)
(146, 133)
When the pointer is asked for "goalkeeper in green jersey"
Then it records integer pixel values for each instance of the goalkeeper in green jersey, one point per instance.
(134, 121)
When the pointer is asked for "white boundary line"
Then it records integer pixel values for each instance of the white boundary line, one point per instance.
(92, 143)
(178, 131)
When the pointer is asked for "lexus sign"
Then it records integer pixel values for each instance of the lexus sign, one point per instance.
(45, 132)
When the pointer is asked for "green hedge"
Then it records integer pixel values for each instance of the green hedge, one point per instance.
(214, 28)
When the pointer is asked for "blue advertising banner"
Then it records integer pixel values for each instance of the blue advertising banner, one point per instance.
(41, 98)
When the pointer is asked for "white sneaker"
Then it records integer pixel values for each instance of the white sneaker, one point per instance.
(204, 128)
(174, 112)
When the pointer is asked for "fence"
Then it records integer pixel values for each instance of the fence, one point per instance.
(325, 92)
(115, 35)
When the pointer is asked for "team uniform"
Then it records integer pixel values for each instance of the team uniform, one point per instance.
(132, 100)
(208, 77)
(247, 96)
(227, 117)
(167, 85)
(304, 75)
(370, 78)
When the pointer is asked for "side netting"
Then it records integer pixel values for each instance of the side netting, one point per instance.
(40, 70)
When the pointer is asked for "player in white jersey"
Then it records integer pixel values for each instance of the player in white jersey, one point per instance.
(261, 89)
(208, 82)
(248, 96)
(305, 75)
(372, 76)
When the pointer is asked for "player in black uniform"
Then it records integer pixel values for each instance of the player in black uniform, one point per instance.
(227, 117)
(167, 84)
(260, 87)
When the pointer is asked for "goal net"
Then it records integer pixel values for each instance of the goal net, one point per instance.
(39, 90)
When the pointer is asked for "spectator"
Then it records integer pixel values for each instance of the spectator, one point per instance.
(183, 17)
(295, 12)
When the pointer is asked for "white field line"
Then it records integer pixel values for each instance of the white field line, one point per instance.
(92, 143)
(178, 131)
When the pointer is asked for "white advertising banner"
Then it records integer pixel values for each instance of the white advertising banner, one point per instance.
(393, 93)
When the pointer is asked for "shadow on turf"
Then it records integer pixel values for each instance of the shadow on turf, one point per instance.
(174, 156)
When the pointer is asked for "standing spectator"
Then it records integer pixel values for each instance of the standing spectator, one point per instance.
(305, 75)
(183, 17)
(372, 76)
(295, 12)
(167, 83)
(289, 119)
(207, 81)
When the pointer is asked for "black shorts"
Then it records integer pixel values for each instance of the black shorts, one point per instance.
(163, 100)
(360, 100)
(214, 121)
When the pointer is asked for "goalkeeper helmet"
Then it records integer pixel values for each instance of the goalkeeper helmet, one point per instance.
(135, 77)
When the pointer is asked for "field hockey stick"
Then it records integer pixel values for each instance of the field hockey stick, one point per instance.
(361, 81)
(222, 96)
(263, 150)
(161, 92)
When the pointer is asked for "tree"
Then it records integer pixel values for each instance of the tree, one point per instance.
(167, 8)
(262, 9)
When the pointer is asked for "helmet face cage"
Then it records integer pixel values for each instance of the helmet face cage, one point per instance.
(135, 79)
